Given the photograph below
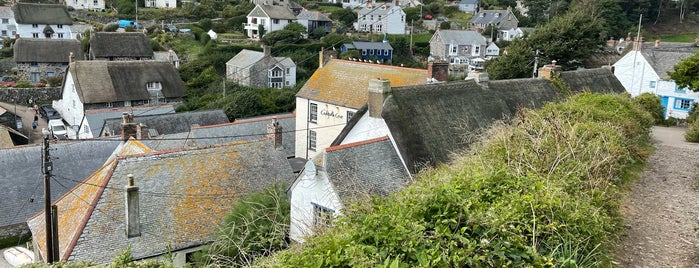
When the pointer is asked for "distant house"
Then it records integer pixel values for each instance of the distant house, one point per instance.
(402, 130)
(42, 21)
(468, 6)
(459, 48)
(267, 18)
(370, 50)
(162, 124)
(261, 69)
(333, 94)
(8, 26)
(39, 59)
(159, 202)
(161, 3)
(644, 69)
(92, 5)
(381, 18)
(95, 90)
(492, 51)
(313, 20)
(168, 56)
(116, 46)
(510, 34)
(497, 19)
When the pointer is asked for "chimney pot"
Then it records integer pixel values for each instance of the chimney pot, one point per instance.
(438, 70)
(128, 127)
(274, 132)
(133, 222)
(129, 178)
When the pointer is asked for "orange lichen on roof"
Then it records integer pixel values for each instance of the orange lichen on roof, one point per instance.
(345, 83)
(133, 147)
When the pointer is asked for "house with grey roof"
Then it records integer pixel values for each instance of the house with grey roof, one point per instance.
(8, 25)
(261, 69)
(168, 56)
(313, 20)
(96, 90)
(645, 70)
(44, 21)
(468, 6)
(159, 202)
(497, 19)
(170, 123)
(39, 59)
(370, 50)
(459, 48)
(22, 181)
(120, 46)
(267, 18)
(407, 129)
(381, 18)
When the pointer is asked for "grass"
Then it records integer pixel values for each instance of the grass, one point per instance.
(190, 47)
(461, 18)
(679, 38)
(329, 9)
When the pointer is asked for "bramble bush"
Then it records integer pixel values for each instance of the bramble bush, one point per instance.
(540, 191)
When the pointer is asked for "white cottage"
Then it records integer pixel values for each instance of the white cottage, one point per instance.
(93, 5)
(645, 69)
(8, 26)
(42, 21)
(381, 18)
(267, 18)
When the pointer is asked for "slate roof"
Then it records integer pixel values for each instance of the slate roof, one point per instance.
(430, 122)
(461, 37)
(362, 169)
(382, 9)
(46, 50)
(117, 44)
(96, 118)
(165, 56)
(361, 45)
(278, 12)
(110, 81)
(246, 58)
(170, 123)
(345, 83)
(247, 128)
(183, 195)
(30, 13)
(664, 57)
(490, 16)
(312, 16)
(21, 178)
(468, 2)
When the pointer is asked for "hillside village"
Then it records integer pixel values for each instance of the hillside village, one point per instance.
(155, 122)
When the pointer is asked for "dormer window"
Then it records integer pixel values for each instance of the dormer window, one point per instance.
(59, 26)
(153, 85)
(35, 25)
(497, 15)
(482, 15)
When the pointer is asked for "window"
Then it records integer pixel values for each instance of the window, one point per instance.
(288, 70)
(108, 104)
(127, 103)
(313, 113)
(60, 35)
(262, 21)
(50, 74)
(275, 84)
(312, 140)
(363, 51)
(34, 77)
(322, 216)
(349, 115)
(5, 21)
(680, 90)
(371, 52)
(35, 25)
(4, 32)
(385, 52)
(683, 104)
(35, 35)
(476, 49)
(276, 72)
(275, 21)
(378, 27)
(59, 26)
(287, 83)
(95, 3)
(33, 63)
(652, 84)
(153, 85)
(453, 49)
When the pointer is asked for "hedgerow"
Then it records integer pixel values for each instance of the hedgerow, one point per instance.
(540, 191)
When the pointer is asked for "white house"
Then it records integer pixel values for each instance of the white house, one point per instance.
(261, 69)
(645, 70)
(510, 34)
(42, 21)
(161, 3)
(93, 5)
(492, 51)
(267, 18)
(381, 18)
(8, 26)
(96, 90)
(331, 96)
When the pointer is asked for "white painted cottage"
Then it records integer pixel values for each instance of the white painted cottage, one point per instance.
(42, 21)
(267, 17)
(381, 18)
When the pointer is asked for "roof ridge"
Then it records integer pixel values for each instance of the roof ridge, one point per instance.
(189, 149)
(355, 144)
(380, 65)
(244, 121)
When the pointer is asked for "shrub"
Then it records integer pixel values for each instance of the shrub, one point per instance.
(693, 114)
(111, 27)
(24, 84)
(692, 134)
(651, 103)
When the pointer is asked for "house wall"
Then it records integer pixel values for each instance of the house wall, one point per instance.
(309, 189)
(5, 30)
(94, 5)
(437, 48)
(635, 73)
(238, 75)
(352, 3)
(392, 23)
(45, 70)
(259, 74)
(367, 128)
(469, 8)
(395, 23)
(161, 3)
(330, 121)
(72, 109)
(290, 76)
(670, 91)
(28, 30)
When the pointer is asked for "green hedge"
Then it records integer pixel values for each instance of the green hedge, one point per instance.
(541, 191)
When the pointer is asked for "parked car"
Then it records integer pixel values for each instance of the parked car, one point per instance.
(48, 112)
(185, 30)
(428, 17)
(170, 28)
(58, 129)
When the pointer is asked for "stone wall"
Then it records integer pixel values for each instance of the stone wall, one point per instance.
(24, 69)
(22, 95)
(16, 230)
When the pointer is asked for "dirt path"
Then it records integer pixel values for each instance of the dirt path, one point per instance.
(661, 212)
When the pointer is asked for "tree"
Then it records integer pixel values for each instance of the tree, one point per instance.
(516, 62)
(568, 39)
(345, 16)
(291, 33)
(686, 73)
(612, 17)
(335, 40)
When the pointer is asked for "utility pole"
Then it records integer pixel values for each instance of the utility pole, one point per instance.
(536, 63)
(412, 28)
(224, 86)
(47, 166)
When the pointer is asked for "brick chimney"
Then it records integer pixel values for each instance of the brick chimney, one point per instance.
(550, 70)
(267, 50)
(128, 127)
(379, 90)
(141, 132)
(133, 223)
(274, 132)
(439, 70)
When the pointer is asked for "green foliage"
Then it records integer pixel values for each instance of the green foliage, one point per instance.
(55, 81)
(257, 226)
(445, 25)
(126, 7)
(110, 27)
(345, 16)
(517, 62)
(651, 104)
(540, 192)
(568, 39)
(24, 84)
(692, 134)
(693, 114)
(335, 40)
(686, 73)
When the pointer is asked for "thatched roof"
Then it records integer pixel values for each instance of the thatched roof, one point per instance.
(106, 44)
(109, 81)
(29, 13)
(46, 50)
